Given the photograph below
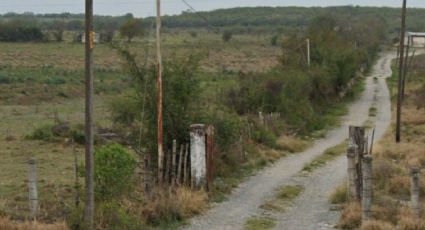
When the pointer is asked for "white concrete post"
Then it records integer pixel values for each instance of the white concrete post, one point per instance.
(351, 171)
(32, 187)
(367, 187)
(414, 192)
(198, 156)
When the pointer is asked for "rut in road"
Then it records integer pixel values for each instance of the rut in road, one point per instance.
(310, 209)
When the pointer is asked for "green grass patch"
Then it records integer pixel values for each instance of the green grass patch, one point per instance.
(259, 223)
(289, 192)
(339, 195)
(327, 156)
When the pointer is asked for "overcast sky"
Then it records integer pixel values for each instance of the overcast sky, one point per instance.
(147, 7)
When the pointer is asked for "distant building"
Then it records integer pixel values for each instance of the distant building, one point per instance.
(417, 39)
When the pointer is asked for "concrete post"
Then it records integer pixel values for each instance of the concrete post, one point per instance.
(32, 187)
(198, 162)
(351, 171)
(261, 118)
(367, 187)
(414, 191)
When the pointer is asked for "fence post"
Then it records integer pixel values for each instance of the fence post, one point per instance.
(357, 137)
(261, 118)
(351, 171)
(367, 187)
(180, 164)
(147, 174)
(197, 156)
(32, 187)
(210, 155)
(76, 177)
(173, 163)
(185, 165)
(414, 191)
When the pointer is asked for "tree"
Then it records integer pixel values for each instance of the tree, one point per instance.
(59, 28)
(132, 28)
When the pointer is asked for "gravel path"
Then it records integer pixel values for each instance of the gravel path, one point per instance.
(310, 209)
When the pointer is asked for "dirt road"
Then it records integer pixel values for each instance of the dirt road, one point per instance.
(310, 210)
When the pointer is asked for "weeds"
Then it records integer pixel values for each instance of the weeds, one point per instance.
(259, 223)
(327, 156)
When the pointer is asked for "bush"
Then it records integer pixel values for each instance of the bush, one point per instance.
(274, 40)
(113, 172)
(265, 137)
(113, 217)
(227, 35)
(42, 133)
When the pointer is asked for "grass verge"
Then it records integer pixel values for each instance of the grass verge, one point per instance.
(327, 156)
(259, 223)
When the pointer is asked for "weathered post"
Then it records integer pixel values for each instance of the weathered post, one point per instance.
(76, 177)
(173, 163)
(414, 191)
(210, 155)
(32, 187)
(197, 156)
(180, 164)
(357, 135)
(147, 175)
(261, 118)
(367, 187)
(351, 171)
(185, 165)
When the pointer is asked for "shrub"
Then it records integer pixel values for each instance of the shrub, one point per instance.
(42, 133)
(227, 35)
(112, 216)
(351, 217)
(339, 196)
(265, 137)
(274, 40)
(113, 172)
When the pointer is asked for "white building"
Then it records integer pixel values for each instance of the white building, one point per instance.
(416, 39)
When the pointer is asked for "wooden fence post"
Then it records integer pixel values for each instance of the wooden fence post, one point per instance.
(185, 165)
(351, 171)
(367, 187)
(180, 164)
(210, 156)
(147, 175)
(173, 163)
(415, 191)
(357, 137)
(198, 156)
(32, 187)
(76, 177)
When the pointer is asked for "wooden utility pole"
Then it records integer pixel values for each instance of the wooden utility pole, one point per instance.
(406, 64)
(89, 161)
(400, 72)
(159, 93)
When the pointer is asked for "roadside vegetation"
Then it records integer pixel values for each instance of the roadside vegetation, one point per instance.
(392, 163)
(224, 79)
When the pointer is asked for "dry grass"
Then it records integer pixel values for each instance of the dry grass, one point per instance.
(351, 217)
(377, 225)
(292, 144)
(339, 195)
(172, 206)
(6, 224)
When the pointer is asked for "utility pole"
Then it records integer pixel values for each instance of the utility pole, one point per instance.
(159, 93)
(406, 61)
(89, 164)
(400, 73)
(308, 54)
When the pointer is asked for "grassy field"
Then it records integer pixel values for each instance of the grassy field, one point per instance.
(43, 82)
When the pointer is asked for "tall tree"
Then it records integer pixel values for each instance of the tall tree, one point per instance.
(132, 28)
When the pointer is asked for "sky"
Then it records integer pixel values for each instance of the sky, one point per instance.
(143, 8)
